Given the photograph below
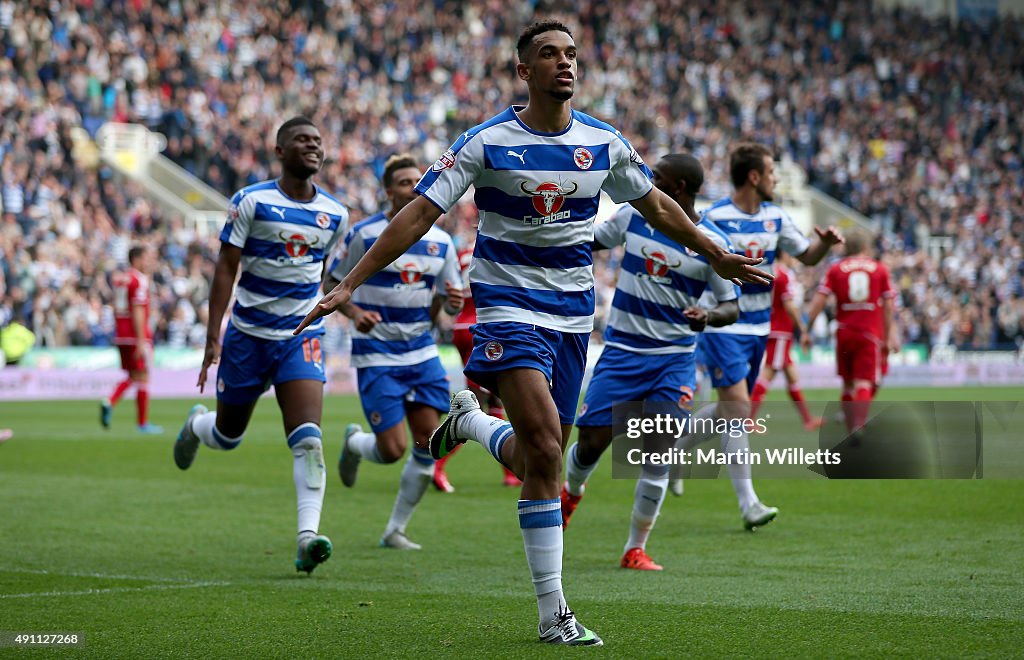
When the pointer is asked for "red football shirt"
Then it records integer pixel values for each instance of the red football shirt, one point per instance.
(859, 284)
(467, 316)
(131, 289)
(781, 323)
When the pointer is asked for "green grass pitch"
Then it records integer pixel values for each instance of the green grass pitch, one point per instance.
(101, 534)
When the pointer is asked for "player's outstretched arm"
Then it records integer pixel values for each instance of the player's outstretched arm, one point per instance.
(220, 296)
(407, 227)
(666, 215)
(819, 248)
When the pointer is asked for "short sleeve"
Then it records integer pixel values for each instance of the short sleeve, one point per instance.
(791, 240)
(138, 291)
(453, 173)
(629, 178)
(240, 213)
(352, 251)
(612, 232)
(722, 289)
(451, 271)
(339, 232)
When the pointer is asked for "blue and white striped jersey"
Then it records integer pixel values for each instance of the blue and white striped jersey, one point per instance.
(401, 293)
(284, 243)
(538, 195)
(757, 235)
(659, 279)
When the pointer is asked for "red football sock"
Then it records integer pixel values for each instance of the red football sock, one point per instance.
(440, 463)
(861, 404)
(142, 404)
(760, 389)
(797, 395)
(119, 391)
(846, 404)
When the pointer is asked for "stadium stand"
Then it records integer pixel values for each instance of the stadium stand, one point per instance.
(880, 110)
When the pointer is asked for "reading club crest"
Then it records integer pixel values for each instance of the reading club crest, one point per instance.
(323, 221)
(493, 351)
(583, 158)
(770, 225)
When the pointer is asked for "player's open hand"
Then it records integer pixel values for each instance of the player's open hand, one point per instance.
(364, 320)
(697, 317)
(330, 303)
(830, 236)
(739, 269)
(210, 357)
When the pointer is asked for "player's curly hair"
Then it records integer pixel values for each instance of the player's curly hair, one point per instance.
(540, 27)
(396, 162)
(746, 157)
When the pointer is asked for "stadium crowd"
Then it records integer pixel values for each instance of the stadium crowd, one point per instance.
(915, 122)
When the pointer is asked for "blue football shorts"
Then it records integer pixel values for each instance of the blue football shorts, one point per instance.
(730, 358)
(560, 356)
(385, 391)
(622, 376)
(250, 365)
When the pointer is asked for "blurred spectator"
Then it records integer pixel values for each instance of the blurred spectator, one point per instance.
(914, 121)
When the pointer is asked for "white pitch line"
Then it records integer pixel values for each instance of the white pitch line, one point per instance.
(103, 576)
(90, 592)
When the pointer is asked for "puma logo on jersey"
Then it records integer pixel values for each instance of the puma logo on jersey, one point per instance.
(279, 211)
(519, 156)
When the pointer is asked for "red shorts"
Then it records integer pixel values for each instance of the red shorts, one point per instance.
(131, 363)
(462, 339)
(858, 356)
(776, 352)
